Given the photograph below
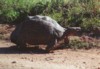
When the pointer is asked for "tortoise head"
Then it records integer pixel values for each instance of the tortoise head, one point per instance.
(72, 31)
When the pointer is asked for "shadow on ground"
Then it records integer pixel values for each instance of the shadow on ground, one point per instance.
(16, 50)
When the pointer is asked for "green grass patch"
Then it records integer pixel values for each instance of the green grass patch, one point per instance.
(84, 43)
(84, 13)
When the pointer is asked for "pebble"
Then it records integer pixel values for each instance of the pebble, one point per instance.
(13, 61)
(49, 58)
(84, 62)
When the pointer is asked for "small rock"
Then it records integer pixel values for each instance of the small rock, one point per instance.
(13, 61)
(92, 58)
(48, 58)
(84, 62)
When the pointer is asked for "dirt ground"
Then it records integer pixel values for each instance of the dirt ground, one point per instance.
(32, 58)
(13, 58)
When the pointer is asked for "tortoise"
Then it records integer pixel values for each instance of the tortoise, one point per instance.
(40, 30)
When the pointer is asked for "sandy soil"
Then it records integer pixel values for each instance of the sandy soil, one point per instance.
(30, 58)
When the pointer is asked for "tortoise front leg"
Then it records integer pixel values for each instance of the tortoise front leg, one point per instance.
(51, 46)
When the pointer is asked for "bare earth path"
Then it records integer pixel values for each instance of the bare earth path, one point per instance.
(12, 58)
